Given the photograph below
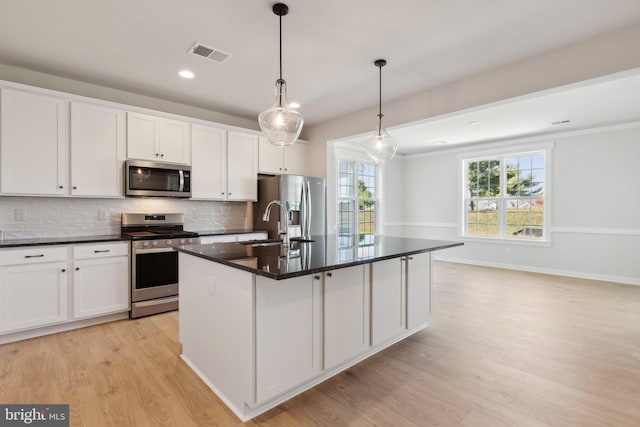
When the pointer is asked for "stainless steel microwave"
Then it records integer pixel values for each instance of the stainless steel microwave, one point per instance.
(152, 179)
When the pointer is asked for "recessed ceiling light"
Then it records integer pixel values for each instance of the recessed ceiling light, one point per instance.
(473, 123)
(294, 105)
(439, 142)
(561, 122)
(186, 74)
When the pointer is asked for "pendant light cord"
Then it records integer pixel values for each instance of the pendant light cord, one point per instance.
(380, 102)
(280, 47)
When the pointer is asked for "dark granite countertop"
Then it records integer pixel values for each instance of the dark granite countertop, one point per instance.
(324, 253)
(14, 243)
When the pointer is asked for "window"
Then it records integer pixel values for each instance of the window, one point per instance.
(504, 197)
(356, 197)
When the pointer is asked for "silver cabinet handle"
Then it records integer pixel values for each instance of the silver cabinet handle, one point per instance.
(34, 256)
(102, 251)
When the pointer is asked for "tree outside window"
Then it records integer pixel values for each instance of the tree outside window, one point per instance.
(504, 196)
(356, 187)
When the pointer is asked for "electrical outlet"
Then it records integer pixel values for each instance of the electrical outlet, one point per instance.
(102, 215)
(21, 215)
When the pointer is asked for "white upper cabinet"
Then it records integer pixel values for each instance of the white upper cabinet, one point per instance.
(158, 139)
(33, 144)
(209, 163)
(276, 160)
(98, 150)
(225, 164)
(242, 166)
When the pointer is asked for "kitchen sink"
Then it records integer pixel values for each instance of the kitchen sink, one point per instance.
(260, 243)
(273, 242)
(300, 240)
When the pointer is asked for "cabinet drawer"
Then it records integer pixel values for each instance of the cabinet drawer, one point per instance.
(100, 251)
(35, 254)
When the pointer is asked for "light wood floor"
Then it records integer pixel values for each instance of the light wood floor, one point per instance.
(505, 349)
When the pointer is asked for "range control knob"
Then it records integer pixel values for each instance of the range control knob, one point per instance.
(154, 243)
(168, 242)
(145, 244)
(182, 241)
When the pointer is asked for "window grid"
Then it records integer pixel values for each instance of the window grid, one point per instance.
(512, 207)
(356, 185)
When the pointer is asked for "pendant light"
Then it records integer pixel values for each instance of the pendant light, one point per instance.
(281, 124)
(381, 146)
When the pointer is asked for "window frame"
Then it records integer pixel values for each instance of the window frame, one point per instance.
(357, 158)
(501, 153)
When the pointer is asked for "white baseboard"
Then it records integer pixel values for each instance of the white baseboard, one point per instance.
(568, 273)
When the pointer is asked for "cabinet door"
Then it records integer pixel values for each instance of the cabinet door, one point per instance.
(33, 295)
(142, 136)
(209, 163)
(270, 157)
(100, 286)
(287, 334)
(418, 278)
(387, 300)
(346, 315)
(175, 141)
(33, 149)
(242, 169)
(295, 157)
(97, 150)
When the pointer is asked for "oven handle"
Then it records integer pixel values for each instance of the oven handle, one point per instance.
(181, 173)
(153, 250)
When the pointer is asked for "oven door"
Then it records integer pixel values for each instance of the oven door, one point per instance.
(154, 273)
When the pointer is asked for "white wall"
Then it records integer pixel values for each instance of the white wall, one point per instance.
(595, 202)
(67, 217)
(610, 53)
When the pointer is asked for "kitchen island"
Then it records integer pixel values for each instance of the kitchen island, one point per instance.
(261, 322)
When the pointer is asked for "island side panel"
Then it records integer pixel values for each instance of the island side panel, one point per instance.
(216, 327)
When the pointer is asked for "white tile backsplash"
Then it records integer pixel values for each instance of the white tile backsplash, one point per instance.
(70, 217)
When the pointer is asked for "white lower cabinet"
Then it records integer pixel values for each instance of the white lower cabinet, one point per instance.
(418, 277)
(100, 286)
(33, 295)
(288, 334)
(37, 288)
(346, 314)
(387, 300)
(243, 237)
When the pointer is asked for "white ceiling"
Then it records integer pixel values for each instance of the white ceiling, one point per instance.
(607, 101)
(329, 47)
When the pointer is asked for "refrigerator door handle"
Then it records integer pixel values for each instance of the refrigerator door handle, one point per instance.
(303, 210)
(308, 215)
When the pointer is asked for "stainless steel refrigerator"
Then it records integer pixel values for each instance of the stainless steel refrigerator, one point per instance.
(305, 200)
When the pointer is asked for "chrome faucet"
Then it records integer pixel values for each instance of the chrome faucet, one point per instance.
(284, 217)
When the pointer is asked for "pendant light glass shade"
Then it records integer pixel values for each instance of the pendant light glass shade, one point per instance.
(281, 124)
(381, 147)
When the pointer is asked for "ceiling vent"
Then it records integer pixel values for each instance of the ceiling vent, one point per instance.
(209, 53)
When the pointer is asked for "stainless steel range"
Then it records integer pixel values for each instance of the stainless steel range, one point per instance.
(154, 262)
